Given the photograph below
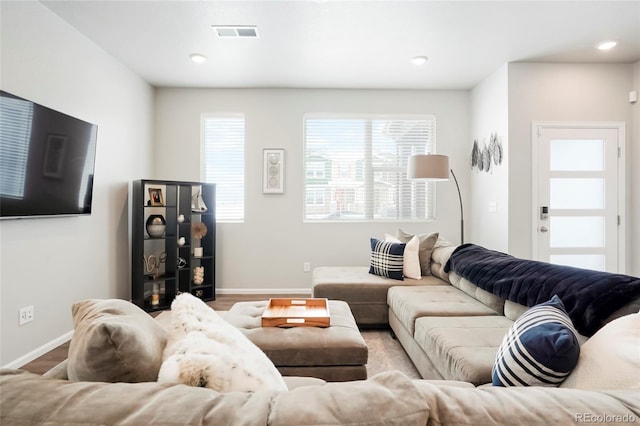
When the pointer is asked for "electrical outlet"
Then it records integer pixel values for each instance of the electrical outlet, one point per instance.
(26, 315)
(306, 267)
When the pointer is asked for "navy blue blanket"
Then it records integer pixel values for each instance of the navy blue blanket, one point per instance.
(590, 297)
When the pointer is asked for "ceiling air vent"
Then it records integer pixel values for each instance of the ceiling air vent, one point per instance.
(236, 31)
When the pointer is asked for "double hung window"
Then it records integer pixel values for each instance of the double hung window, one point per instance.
(355, 167)
(223, 145)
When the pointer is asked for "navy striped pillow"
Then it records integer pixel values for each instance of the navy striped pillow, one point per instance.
(541, 348)
(387, 259)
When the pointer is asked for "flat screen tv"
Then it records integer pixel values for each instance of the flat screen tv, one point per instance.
(47, 161)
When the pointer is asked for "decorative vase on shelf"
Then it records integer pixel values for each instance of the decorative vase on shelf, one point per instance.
(156, 226)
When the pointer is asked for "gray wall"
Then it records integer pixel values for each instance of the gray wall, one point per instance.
(267, 251)
(563, 92)
(51, 263)
(633, 157)
(489, 209)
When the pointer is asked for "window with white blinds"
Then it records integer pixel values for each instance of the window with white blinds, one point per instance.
(356, 168)
(223, 163)
(16, 116)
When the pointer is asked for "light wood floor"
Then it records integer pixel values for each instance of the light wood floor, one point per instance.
(223, 302)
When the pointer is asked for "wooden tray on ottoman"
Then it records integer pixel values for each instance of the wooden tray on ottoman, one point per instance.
(286, 312)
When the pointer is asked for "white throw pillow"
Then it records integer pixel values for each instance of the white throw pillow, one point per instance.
(206, 351)
(427, 243)
(411, 259)
(610, 359)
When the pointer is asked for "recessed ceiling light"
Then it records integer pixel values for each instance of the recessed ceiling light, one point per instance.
(419, 60)
(198, 58)
(606, 45)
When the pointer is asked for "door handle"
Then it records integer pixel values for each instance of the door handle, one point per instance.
(544, 229)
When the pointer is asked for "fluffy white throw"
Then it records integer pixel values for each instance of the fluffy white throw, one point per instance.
(204, 350)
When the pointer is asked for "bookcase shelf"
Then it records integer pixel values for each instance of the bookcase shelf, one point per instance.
(161, 267)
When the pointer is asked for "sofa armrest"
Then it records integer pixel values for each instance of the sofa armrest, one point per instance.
(59, 371)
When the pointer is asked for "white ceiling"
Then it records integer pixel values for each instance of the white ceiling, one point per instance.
(351, 44)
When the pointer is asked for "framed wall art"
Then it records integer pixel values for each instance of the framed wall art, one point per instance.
(273, 171)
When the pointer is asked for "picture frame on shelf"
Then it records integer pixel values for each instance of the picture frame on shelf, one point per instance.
(155, 197)
(273, 171)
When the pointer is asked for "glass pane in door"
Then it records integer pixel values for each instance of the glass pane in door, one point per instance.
(586, 261)
(576, 193)
(585, 231)
(576, 154)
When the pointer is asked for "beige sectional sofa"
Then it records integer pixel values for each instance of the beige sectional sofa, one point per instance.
(120, 356)
(387, 399)
(450, 328)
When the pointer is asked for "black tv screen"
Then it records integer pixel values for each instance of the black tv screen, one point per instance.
(47, 161)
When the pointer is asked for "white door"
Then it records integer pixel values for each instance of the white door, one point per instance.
(577, 197)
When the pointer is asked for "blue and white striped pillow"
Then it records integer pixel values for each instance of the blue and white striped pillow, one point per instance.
(540, 349)
(387, 259)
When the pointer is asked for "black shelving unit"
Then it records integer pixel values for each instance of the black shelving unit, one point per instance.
(164, 264)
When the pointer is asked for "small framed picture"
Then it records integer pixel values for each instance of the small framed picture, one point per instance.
(155, 197)
(273, 171)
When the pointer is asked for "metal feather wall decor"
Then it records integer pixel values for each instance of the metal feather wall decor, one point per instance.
(482, 158)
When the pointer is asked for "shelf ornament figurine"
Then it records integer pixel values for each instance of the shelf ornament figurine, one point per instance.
(152, 263)
(197, 203)
(198, 275)
(199, 230)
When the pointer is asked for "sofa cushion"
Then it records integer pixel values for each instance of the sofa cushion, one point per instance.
(387, 259)
(389, 398)
(410, 259)
(540, 348)
(440, 256)
(610, 359)
(366, 293)
(114, 341)
(426, 244)
(410, 303)
(513, 310)
(462, 348)
(491, 300)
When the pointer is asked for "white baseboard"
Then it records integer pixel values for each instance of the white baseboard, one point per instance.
(263, 291)
(38, 352)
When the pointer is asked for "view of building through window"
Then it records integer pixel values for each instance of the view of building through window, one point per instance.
(355, 168)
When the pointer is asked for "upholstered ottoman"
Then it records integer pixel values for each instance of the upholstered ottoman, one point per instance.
(336, 353)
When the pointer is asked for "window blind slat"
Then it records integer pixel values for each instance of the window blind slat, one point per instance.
(16, 116)
(223, 142)
(355, 168)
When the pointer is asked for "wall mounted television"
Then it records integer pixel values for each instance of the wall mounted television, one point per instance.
(47, 161)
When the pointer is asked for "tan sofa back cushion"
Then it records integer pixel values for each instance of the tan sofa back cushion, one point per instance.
(114, 341)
